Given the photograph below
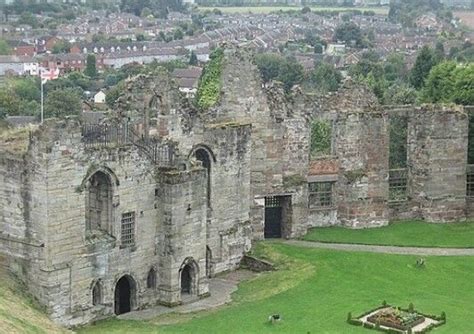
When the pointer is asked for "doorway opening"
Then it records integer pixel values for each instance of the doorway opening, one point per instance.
(124, 295)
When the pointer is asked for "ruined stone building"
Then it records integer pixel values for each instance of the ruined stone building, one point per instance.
(144, 207)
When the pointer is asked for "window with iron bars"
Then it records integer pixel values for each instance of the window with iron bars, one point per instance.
(320, 194)
(397, 185)
(470, 181)
(128, 229)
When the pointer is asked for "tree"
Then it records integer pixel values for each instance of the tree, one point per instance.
(113, 93)
(269, 65)
(61, 46)
(400, 94)
(4, 48)
(290, 73)
(25, 88)
(275, 67)
(91, 70)
(325, 78)
(193, 58)
(439, 51)
(423, 64)
(395, 68)
(305, 10)
(439, 86)
(9, 103)
(29, 19)
(62, 102)
(178, 34)
(350, 33)
(464, 85)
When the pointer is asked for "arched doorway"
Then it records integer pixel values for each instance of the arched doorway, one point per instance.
(124, 295)
(186, 280)
(188, 277)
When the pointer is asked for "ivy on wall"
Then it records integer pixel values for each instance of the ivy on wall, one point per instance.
(209, 86)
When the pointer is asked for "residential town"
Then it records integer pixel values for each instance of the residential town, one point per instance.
(117, 39)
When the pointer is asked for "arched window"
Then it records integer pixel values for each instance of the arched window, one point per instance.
(151, 279)
(203, 156)
(97, 293)
(98, 202)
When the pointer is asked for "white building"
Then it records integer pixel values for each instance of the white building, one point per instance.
(99, 97)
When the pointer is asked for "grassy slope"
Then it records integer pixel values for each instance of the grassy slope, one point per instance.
(406, 233)
(18, 313)
(269, 9)
(315, 289)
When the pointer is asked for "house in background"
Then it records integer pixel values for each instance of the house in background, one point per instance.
(187, 80)
(99, 97)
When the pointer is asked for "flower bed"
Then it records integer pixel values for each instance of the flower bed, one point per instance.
(395, 318)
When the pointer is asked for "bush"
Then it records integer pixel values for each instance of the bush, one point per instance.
(411, 308)
(355, 322)
(368, 325)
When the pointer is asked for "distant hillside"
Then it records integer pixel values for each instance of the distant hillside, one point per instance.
(18, 314)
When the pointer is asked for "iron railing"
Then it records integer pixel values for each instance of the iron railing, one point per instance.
(397, 184)
(110, 135)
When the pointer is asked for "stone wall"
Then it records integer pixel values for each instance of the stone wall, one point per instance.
(201, 213)
(182, 234)
(437, 159)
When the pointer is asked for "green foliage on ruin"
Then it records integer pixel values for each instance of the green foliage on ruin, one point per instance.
(321, 142)
(398, 142)
(209, 87)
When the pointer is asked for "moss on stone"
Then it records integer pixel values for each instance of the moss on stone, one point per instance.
(294, 180)
(355, 175)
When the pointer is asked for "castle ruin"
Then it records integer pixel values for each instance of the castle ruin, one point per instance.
(144, 207)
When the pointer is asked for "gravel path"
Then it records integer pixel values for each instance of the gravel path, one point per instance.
(424, 251)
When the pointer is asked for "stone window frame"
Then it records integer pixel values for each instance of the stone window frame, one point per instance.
(320, 180)
(331, 121)
(97, 291)
(127, 229)
(151, 279)
(210, 169)
(107, 225)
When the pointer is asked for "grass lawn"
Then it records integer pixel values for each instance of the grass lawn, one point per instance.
(18, 313)
(269, 9)
(314, 289)
(402, 233)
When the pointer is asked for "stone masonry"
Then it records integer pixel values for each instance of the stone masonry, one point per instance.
(143, 208)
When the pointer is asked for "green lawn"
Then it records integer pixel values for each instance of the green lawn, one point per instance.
(314, 289)
(403, 233)
(18, 313)
(269, 9)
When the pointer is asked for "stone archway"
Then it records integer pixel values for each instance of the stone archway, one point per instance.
(188, 277)
(125, 294)
(186, 280)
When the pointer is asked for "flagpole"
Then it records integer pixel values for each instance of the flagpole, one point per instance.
(42, 109)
